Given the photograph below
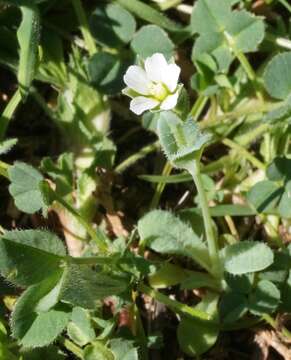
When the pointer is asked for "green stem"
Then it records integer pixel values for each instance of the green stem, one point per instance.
(173, 304)
(241, 150)
(8, 112)
(284, 3)
(4, 169)
(161, 186)
(285, 332)
(137, 156)
(210, 236)
(73, 348)
(169, 4)
(198, 107)
(95, 234)
(84, 27)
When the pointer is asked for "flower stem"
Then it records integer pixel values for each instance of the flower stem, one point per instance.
(210, 236)
(137, 156)
(173, 304)
(161, 186)
(8, 112)
(84, 27)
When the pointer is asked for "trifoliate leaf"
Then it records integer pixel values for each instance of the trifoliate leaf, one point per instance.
(277, 76)
(280, 115)
(224, 32)
(163, 232)
(25, 187)
(151, 39)
(35, 328)
(80, 329)
(264, 196)
(232, 306)
(242, 258)
(29, 256)
(196, 337)
(112, 25)
(124, 349)
(106, 72)
(182, 142)
(279, 169)
(265, 298)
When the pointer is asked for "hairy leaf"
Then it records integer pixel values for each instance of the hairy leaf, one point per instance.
(25, 187)
(277, 77)
(242, 258)
(30, 256)
(151, 39)
(28, 322)
(163, 232)
(28, 37)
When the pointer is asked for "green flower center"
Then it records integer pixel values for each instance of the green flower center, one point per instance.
(158, 91)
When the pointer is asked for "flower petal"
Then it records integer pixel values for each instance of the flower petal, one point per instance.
(141, 103)
(155, 66)
(171, 76)
(136, 79)
(170, 102)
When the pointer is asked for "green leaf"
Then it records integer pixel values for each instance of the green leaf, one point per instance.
(28, 321)
(264, 196)
(265, 298)
(284, 207)
(28, 38)
(224, 32)
(25, 187)
(48, 353)
(147, 13)
(85, 287)
(80, 329)
(167, 275)
(112, 25)
(241, 284)
(52, 68)
(196, 337)
(7, 145)
(106, 72)
(242, 258)
(98, 351)
(161, 231)
(151, 39)
(277, 77)
(279, 169)
(29, 256)
(124, 349)
(181, 141)
(232, 306)
(280, 115)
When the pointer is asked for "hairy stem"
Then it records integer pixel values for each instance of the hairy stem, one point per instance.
(210, 236)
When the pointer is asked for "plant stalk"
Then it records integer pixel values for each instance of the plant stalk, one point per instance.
(210, 236)
(84, 27)
(8, 112)
(173, 304)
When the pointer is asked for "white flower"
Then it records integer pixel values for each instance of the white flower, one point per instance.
(153, 87)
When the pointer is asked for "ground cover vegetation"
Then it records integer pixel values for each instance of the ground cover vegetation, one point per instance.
(145, 176)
